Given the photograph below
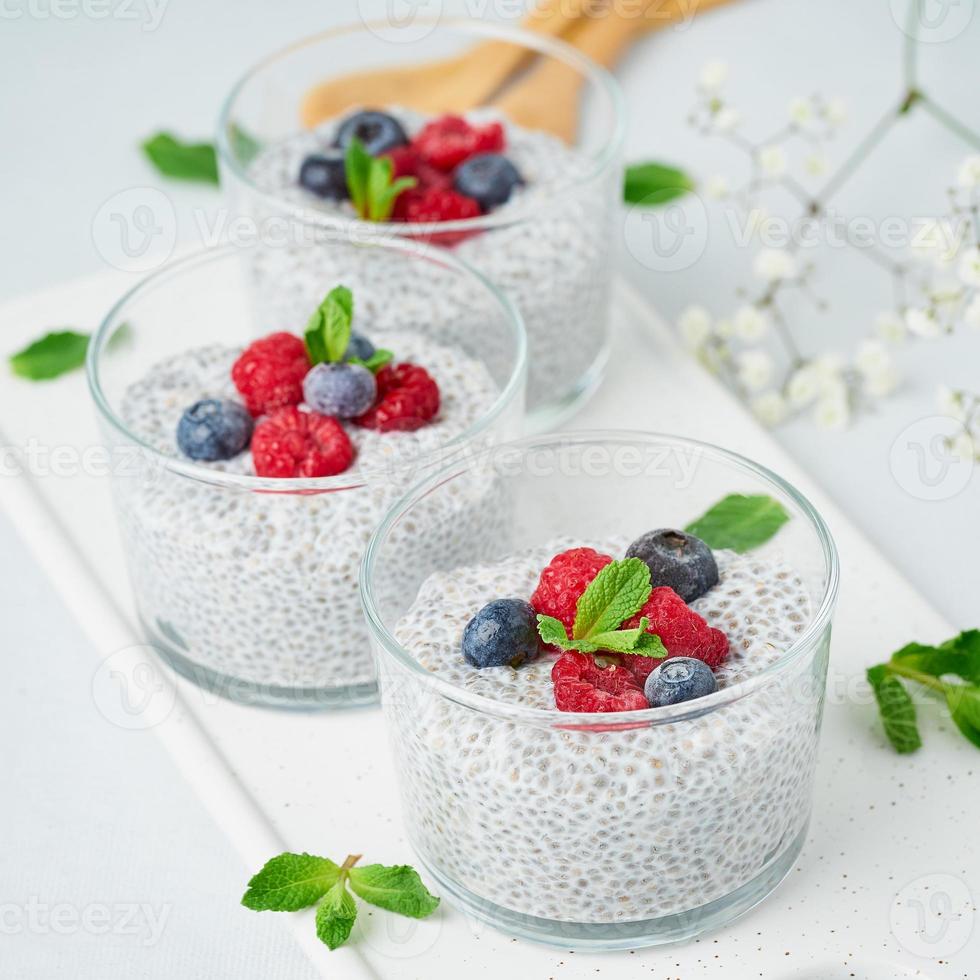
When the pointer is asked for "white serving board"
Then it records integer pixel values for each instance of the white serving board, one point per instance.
(886, 886)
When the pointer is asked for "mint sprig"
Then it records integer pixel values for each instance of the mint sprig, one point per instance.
(617, 593)
(185, 161)
(370, 181)
(290, 882)
(929, 666)
(740, 522)
(51, 356)
(653, 184)
(329, 329)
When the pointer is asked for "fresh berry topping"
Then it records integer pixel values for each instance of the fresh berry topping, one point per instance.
(325, 175)
(435, 204)
(408, 398)
(681, 630)
(376, 130)
(210, 430)
(269, 374)
(679, 679)
(503, 632)
(564, 580)
(359, 347)
(449, 140)
(343, 390)
(294, 443)
(406, 162)
(488, 178)
(677, 559)
(582, 685)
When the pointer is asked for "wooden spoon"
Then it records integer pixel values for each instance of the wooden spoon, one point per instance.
(451, 85)
(547, 97)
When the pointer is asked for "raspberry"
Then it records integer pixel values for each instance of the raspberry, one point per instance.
(294, 443)
(408, 398)
(683, 632)
(269, 374)
(436, 204)
(563, 582)
(407, 162)
(449, 140)
(582, 685)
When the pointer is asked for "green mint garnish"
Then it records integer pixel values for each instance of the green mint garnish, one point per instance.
(373, 191)
(185, 161)
(740, 522)
(618, 592)
(376, 361)
(653, 184)
(53, 355)
(291, 882)
(928, 665)
(328, 331)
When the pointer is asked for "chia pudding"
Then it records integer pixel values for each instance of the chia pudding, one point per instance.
(544, 235)
(568, 827)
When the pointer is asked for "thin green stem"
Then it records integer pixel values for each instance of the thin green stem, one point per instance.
(950, 121)
(916, 675)
(910, 59)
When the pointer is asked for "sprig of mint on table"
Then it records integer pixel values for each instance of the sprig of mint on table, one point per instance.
(328, 332)
(653, 184)
(291, 882)
(370, 181)
(739, 522)
(929, 666)
(57, 353)
(185, 161)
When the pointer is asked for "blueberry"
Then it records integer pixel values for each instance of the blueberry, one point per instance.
(212, 429)
(378, 131)
(359, 347)
(488, 178)
(341, 390)
(677, 559)
(679, 679)
(323, 174)
(503, 632)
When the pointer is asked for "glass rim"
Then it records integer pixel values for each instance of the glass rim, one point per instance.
(552, 47)
(350, 480)
(646, 717)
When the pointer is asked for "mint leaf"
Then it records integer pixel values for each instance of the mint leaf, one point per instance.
(397, 889)
(964, 708)
(376, 361)
(959, 656)
(290, 882)
(896, 708)
(373, 192)
(552, 631)
(637, 640)
(185, 161)
(53, 355)
(329, 328)
(335, 916)
(653, 184)
(740, 522)
(616, 593)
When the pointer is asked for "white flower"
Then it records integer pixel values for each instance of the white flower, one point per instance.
(717, 186)
(726, 119)
(713, 75)
(815, 164)
(950, 403)
(836, 112)
(725, 329)
(833, 411)
(801, 111)
(889, 327)
(828, 368)
(922, 323)
(882, 383)
(804, 386)
(936, 241)
(969, 268)
(755, 369)
(750, 324)
(872, 357)
(769, 408)
(773, 263)
(772, 160)
(972, 313)
(695, 326)
(962, 446)
(969, 173)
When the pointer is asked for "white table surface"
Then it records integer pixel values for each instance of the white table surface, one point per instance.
(115, 821)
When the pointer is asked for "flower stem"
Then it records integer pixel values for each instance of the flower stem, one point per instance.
(950, 121)
(916, 675)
